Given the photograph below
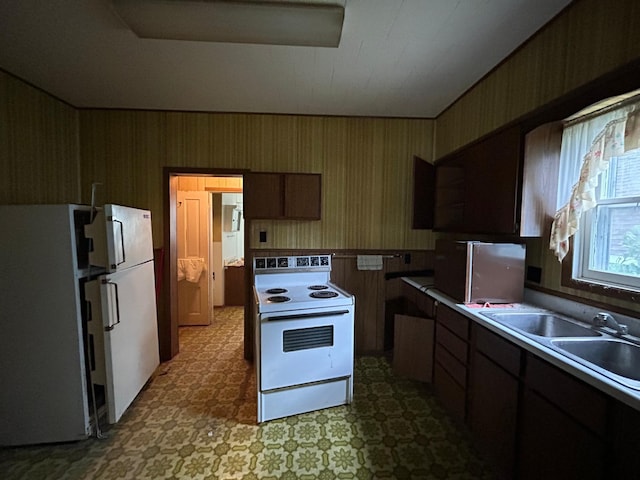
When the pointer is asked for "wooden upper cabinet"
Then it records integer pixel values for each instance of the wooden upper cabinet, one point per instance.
(449, 198)
(263, 195)
(491, 188)
(303, 196)
(504, 184)
(423, 194)
(272, 195)
(540, 179)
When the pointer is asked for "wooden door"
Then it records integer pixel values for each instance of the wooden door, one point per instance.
(195, 306)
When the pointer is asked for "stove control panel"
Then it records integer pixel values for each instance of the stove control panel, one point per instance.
(299, 262)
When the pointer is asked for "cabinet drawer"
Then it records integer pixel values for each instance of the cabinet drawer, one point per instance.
(576, 398)
(501, 351)
(451, 395)
(456, 346)
(454, 321)
(456, 370)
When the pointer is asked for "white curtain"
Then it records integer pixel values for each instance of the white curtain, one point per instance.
(586, 151)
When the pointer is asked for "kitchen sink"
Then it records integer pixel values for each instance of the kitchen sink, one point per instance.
(611, 355)
(542, 324)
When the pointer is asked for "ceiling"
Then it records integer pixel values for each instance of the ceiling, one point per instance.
(397, 58)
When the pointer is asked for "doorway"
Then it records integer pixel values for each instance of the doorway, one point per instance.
(221, 195)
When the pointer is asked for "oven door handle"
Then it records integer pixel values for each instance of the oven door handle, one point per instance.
(296, 316)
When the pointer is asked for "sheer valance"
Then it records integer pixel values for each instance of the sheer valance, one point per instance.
(587, 148)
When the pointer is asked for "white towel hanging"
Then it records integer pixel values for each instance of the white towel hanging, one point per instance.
(369, 262)
(190, 269)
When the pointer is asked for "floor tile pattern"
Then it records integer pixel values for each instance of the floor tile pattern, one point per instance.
(196, 420)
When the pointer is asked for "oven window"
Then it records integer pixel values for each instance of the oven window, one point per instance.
(306, 338)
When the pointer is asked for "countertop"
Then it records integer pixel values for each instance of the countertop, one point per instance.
(538, 302)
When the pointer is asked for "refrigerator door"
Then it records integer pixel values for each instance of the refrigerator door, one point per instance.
(127, 313)
(122, 237)
(43, 389)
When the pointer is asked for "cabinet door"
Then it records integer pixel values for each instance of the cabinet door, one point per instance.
(478, 188)
(540, 179)
(451, 394)
(302, 196)
(263, 195)
(554, 446)
(493, 413)
(423, 194)
(449, 198)
(413, 347)
(491, 191)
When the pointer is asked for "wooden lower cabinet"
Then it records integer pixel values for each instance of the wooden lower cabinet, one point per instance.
(234, 286)
(554, 446)
(529, 418)
(413, 347)
(450, 393)
(563, 427)
(450, 368)
(624, 441)
(493, 411)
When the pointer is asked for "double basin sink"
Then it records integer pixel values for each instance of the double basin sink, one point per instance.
(606, 354)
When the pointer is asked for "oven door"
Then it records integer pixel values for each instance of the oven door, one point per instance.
(304, 346)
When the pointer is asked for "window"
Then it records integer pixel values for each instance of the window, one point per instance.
(599, 198)
(608, 242)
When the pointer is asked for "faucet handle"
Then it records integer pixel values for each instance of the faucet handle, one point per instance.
(600, 319)
(604, 319)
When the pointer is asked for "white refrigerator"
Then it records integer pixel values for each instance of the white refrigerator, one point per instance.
(78, 323)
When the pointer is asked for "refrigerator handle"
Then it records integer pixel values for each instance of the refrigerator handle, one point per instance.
(121, 240)
(110, 327)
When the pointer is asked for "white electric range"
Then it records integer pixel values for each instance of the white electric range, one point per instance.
(304, 336)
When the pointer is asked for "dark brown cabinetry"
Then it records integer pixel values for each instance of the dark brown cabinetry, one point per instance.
(530, 418)
(624, 439)
(413, 336)
(477, 188)
(504, 184)
(564, 423)
(423, 194)
(234, 286)
(451, 361)
(271, 195)
(493, 399)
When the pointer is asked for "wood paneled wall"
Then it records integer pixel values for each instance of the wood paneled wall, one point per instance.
(587, 40)
(366, 167)
(39, 160)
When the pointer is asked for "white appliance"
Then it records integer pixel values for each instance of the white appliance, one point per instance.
(304, 336)
(79, 325)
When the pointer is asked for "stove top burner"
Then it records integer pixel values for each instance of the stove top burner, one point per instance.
(276, 291)
(323, 294)
(278, 299)
(317, 287)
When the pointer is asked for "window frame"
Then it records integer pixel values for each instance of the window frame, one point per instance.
(583, 245)
(584, 238)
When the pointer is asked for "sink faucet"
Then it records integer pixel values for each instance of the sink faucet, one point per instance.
(603, 319)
